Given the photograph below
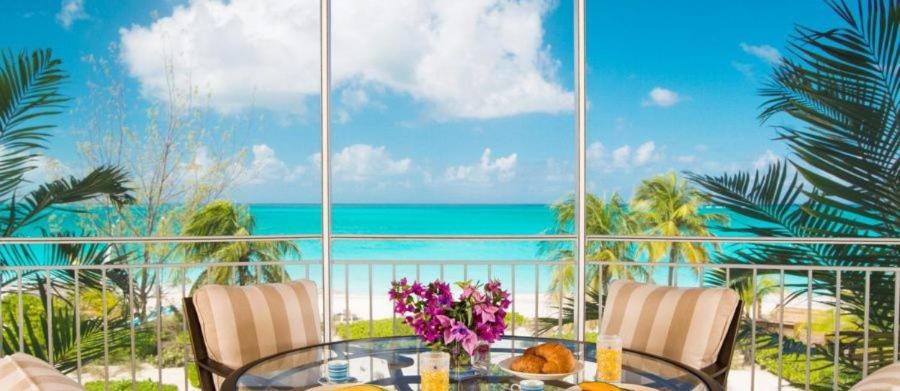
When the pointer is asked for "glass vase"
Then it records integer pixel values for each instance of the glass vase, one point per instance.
(460, 360)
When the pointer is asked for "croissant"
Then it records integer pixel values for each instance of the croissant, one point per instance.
(528, 363)
(559, 359)
(545, 358)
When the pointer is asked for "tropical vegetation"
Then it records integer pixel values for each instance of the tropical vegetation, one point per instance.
(841, 91)
(662, 205)
(29, 97)
(223, 218)
(666, 206)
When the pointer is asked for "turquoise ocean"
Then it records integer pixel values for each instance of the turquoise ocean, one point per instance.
(398, 256)
(400, 219)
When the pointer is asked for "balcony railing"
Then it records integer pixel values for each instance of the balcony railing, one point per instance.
(117, 329)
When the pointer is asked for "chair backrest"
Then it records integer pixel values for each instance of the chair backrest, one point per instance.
(689, 325)
(884, 379)
(20, 371)
(231, 326)
(206, 368)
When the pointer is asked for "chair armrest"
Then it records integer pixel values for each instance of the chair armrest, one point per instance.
(715, 369)
(216, 367)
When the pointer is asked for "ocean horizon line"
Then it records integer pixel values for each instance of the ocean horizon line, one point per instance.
(314, 204)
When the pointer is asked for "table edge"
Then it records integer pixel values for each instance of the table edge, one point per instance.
(230, 383)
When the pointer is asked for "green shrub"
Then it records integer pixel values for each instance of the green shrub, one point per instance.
(125, 385)
(193, 375)
(381, 328)
(520, 319)
(794, 366)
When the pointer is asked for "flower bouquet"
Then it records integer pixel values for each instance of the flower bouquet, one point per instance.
(456, 325)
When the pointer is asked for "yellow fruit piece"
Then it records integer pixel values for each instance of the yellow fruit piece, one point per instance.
(597, 386)
(362, 387)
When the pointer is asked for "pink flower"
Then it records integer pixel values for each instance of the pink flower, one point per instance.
(460, 333)
(486, 311)
(438, 317)
(467, 292)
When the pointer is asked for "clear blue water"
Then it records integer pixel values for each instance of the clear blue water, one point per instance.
(428, 219)
(424, 219)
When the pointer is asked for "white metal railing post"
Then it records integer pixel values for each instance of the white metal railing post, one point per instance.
(581, 167)
(325, 94)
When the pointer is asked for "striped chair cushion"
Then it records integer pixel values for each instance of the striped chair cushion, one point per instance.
(884, 379)
(242, 324)
(20, 371)
(684, 324)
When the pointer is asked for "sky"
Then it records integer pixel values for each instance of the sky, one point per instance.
(433, 101)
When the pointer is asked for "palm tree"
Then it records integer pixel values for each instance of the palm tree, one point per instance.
(222, 218)
(604, 217)
(667, 206)
(843, 175)
(29, 94)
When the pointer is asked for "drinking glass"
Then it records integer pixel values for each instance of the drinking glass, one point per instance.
(434, 370)
(528, 385)
(337, 371)
(609, 358)
(481, 357)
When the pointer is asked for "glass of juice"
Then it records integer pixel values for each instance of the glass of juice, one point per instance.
(609, 358)
(434, 370)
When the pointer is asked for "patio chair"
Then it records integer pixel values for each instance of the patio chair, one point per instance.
(20, 371)
(232, 326)
(694, 326)
(884, 379)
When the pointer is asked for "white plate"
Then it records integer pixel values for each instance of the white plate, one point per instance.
(624, 386)
(504, 366)
(335, 387)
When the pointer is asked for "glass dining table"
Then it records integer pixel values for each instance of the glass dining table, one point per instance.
(391, 362)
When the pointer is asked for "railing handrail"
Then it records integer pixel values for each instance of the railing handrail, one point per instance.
(22, 273)
(447, 237)
(470, 262)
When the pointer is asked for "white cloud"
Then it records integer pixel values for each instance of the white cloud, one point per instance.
(595, 152)
(622, 158)
(685, 158)
(768, 157)
(354, 98)
(503, 169)
(745, 69)
(479, 59)
(46, 169)
(199, 165)
(557, 171)
(70, 12)
(43, 168)
(765, 52)
(662, 97)
(361, 162)
(644, 153)
(266, 166)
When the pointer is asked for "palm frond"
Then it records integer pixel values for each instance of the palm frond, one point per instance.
(29, 91)
(64, 337)
(104, 181)
(844, 84)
